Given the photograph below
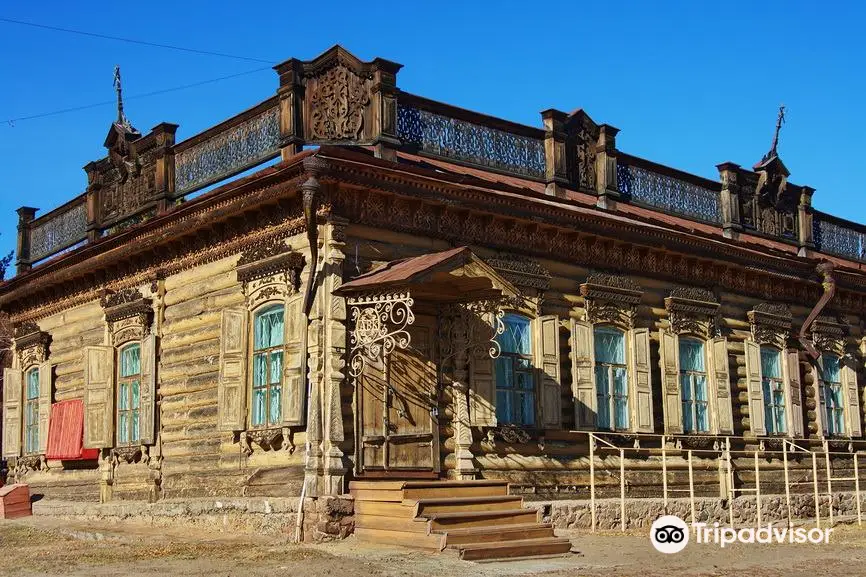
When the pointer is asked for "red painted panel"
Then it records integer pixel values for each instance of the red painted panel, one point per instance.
(66, 432)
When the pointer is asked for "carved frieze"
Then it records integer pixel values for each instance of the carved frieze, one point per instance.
(771, 324)
(693, 310)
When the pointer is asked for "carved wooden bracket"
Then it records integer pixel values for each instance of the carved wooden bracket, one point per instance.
(268, 440)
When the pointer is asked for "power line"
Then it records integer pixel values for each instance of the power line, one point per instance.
(12, 121)
(133, 41)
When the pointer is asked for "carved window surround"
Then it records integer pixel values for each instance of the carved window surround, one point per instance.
(829, 335)
(693, 311)
(269, 271)
(129, 315)
(31, 344)
(611, 299)
(521, 271)
(771, 324)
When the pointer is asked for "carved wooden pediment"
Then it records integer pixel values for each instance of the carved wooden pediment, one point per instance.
(522, 271)
(269, 270)
(693, 310)
(31, 343)
(771, 324)
(611, 299)
(829, 334)
(129, 315)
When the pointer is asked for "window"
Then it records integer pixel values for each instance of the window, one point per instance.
(693, 384)
(774, 391)
(515, 387)
(31, 412)
(611, 378)
(831, 395)
(129, 395)
(268, 330)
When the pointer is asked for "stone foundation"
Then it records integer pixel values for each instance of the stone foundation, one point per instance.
(641, 513)
(325, 518)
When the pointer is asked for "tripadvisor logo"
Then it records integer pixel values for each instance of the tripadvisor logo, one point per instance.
(670, 534)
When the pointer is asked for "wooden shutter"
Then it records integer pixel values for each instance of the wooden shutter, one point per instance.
(98, 397)
(45, 390)
(639, 373)
(852, 397)
(294, 393)
(753, 382)
(232, 390)
(583, 374)
(546, 349)
(793, 393)
(147, 396)
(13, 382)
(669, 359)
(721, 380)
(482, 390)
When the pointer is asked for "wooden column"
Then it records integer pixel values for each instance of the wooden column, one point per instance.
(805, 221)
(730, 199)
(605, 166)
(26, 215)
(291, 97)
(164, 194)
(384, 96)
(555, 168)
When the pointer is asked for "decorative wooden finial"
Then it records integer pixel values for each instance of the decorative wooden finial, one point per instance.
(122, 120)
(780, 120)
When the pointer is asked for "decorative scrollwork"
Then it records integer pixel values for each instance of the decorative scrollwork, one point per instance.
(469, 142)
(668, 193)
(380, 325)
(472, 328)
(837, 239)
(337, 103)
(240, 147)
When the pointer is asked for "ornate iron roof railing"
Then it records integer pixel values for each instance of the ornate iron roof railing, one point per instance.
(59, 229)
(839, 237)
(659, 187)
(467, 137)
(233, 146)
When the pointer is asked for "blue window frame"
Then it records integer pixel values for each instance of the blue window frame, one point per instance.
(129, 395)
(693, 385)
(611, 379)
(774, 391)
(268, 330)
(31, 411)
(832, 396)
(515, 385)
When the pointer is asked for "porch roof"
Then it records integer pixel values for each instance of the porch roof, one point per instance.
(452, 275)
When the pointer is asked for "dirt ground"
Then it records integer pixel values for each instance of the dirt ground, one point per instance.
(49, 546)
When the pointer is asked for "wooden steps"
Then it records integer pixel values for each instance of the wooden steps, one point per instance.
(480, 520)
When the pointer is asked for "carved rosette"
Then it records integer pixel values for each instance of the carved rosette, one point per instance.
(694, 311)
(611, 299)
(771, 324)
(129, 315)
(31, 344)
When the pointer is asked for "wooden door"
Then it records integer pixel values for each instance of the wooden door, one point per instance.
(397, 399)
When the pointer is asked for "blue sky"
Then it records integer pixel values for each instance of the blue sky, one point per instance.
(690, 84)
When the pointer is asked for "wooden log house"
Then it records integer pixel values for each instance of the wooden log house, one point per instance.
(397, 288)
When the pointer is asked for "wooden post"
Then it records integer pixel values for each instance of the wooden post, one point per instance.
(730, 484)
(665, 473)
(857, 491)
(622, 489)
(731, 221)
(815, 488)
(691, 487)
(607, 187)
(787, 483)
(805, 217)
(829, 487)
(592, 479)
(26, 215)
(555, 170)
(758, 488)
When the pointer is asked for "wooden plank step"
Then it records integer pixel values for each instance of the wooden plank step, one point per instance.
(416, 526)
(424, 507)
(472, 483)
(402, 538)
(457, 492)
(398, 510)
(510, 549)
(457, 537)
(379, 485)
(459, 520)
(392, 495)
